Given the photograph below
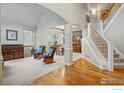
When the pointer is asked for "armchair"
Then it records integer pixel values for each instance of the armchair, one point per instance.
(39, 51)
(48, 58)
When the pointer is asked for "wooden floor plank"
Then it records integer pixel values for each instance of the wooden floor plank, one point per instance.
(81, 73)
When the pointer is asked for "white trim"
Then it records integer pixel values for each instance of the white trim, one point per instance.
(99, 65)
(97, 50)
(118, 64)
(100, 59)
(110, 57)
(69, 64)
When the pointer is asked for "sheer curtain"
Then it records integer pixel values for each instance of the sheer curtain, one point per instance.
(55, 38)
(29, 42)
(29, 37)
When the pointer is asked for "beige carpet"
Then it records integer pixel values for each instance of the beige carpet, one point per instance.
(22, 71)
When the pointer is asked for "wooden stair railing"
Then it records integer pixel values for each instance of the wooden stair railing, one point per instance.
(100, 42)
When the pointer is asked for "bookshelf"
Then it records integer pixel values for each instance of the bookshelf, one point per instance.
(76, 44)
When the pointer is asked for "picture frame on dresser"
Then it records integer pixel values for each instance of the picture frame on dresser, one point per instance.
(11, 35)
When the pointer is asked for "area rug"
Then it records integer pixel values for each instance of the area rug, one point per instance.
(21, 71)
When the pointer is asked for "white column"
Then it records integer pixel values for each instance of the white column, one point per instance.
(68, 44)
(110, 57)
(101, 26)
(0, 51)
(84, 33)
(88, 30)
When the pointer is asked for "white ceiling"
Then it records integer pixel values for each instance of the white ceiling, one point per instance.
(98, 6)
(103, 6)
(36, 15)
(21, 14)
(73, 13)
(28, 15)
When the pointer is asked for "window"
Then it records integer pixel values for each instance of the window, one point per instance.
(55, 38)
(28, 37)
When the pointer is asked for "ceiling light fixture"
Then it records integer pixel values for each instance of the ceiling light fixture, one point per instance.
(94, 11)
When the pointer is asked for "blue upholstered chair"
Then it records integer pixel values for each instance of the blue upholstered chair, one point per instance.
(39, 51)
(48, 58)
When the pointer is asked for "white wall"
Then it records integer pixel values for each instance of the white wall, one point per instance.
(87, 52)
(72, 13)
(91, 53)
(115, 30)
(21, 14)
(19, 17)
(43, 27)
(42, 36)
(0, 50)
(20, 30)
(12, 27)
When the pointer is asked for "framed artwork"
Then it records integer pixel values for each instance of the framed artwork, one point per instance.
(11, 35)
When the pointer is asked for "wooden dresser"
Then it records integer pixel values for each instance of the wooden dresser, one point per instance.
(12, 51)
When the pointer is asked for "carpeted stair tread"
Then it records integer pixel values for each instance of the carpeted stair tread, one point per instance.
(116, 55)
(119, 59)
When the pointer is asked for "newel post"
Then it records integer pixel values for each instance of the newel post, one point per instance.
(88, 30)
(110, 57)
(101, 25)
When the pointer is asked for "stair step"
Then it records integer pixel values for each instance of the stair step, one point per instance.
(116, 55)
(120, 66)
(118, 63)
(118, 59)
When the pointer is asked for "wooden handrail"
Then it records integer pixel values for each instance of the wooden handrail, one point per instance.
(102, 45)
(110, 9)
(97, 33)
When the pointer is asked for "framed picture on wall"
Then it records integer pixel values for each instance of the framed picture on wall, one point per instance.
(11, 35)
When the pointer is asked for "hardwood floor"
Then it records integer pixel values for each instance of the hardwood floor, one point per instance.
(81, 73)
(0, 72)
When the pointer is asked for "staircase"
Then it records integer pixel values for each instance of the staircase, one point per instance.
(118, 61)
(105, 54)
(100, 42)
(111, 56)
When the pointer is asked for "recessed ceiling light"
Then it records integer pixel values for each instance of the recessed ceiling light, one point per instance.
(94, 11)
